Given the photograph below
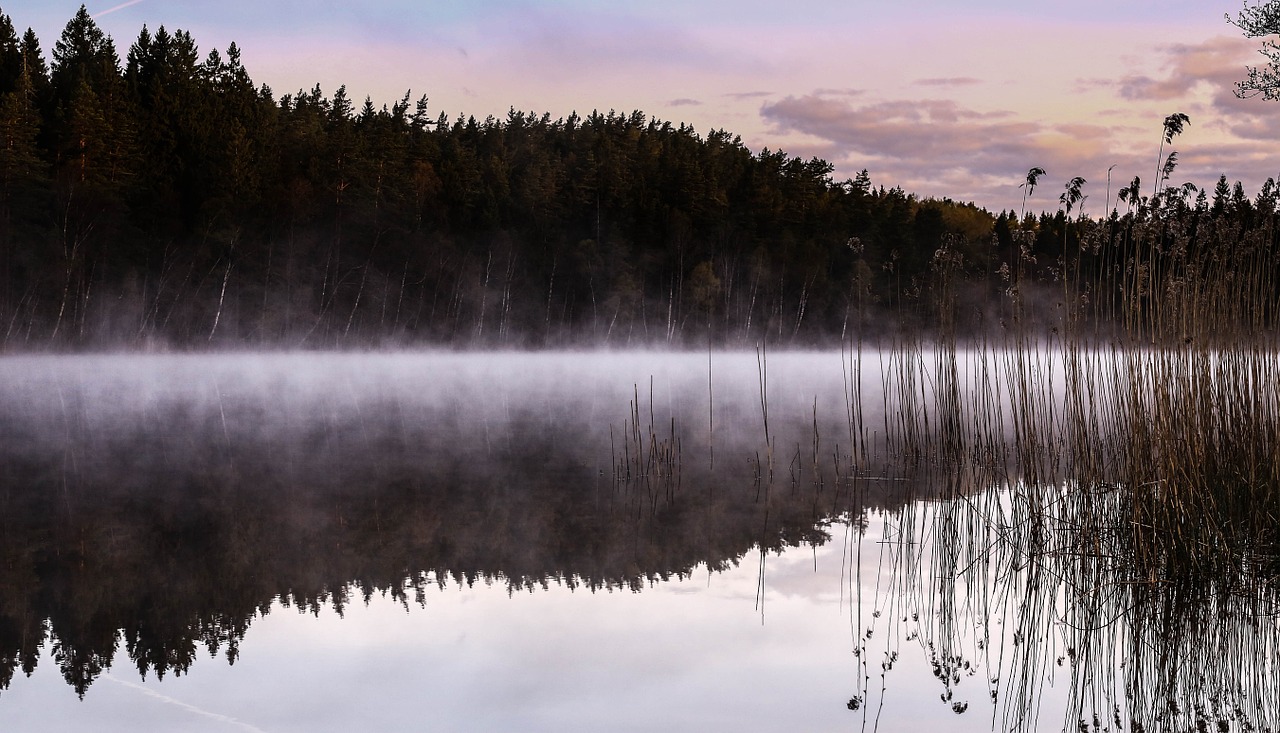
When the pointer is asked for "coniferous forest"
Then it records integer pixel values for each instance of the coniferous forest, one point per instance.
(163, 199)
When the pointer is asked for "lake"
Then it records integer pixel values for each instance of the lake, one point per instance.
(897, 540)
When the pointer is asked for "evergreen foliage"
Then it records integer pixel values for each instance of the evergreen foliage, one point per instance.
(168, 201)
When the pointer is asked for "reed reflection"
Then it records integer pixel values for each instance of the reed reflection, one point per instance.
(1107, 535)
(1060, 517)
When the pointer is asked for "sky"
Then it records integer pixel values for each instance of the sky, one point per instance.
(686, 654)
(943, 98)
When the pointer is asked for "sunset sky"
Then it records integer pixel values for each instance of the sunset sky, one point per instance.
(939, 97)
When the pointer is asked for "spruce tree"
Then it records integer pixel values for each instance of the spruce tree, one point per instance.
(10, 56)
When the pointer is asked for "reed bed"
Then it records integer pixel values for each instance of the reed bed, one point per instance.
(1110, 518)
(1096, 508)
(645, 456)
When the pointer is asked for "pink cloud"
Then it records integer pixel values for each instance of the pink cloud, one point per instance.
(941, 148)
(959, 149)
(954, 81)
(846, 92)
(1217, 63)
(1146, 88)
(937, 129)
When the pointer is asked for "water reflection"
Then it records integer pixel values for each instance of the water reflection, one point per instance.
(1027, 562)
(1010, 605)
(160, 505)
(1114, 544)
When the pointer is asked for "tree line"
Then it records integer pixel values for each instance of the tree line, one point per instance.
(167, 200)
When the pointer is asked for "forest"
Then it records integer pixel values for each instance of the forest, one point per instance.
(166, 200)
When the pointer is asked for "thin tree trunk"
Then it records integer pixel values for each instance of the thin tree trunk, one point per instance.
(550, 288)
(484, 296)
(222, 294)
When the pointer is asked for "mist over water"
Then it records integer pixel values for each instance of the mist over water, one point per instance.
(399, 407)
(736, 535)
(156, 507)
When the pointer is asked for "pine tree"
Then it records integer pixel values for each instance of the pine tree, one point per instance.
(22, 182)
(93, 132)
(1221, 196)
(19, 126)
(84, 53)
(38, 75)
(10, 56)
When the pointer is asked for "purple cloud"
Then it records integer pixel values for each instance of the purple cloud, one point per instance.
(847, 92)
(1217, 63)
(947, 148)
(953, 81)
(941, 148)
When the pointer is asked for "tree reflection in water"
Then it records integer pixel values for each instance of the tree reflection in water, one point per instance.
(167, 530)
(1080, 531)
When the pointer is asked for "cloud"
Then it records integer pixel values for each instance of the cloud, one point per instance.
(935, 129)
(747, 95)
(953, 81)
(1145, 88)
(1263, 128)
(964, 150)
(1203, 77)
(848, 92)
(684, 102)
(942, 148)
(1215, 64)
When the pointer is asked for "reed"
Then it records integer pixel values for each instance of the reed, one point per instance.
(1110, 508)
(651, 454)
(1098, 490)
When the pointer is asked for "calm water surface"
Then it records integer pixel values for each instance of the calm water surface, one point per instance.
(510, 541)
